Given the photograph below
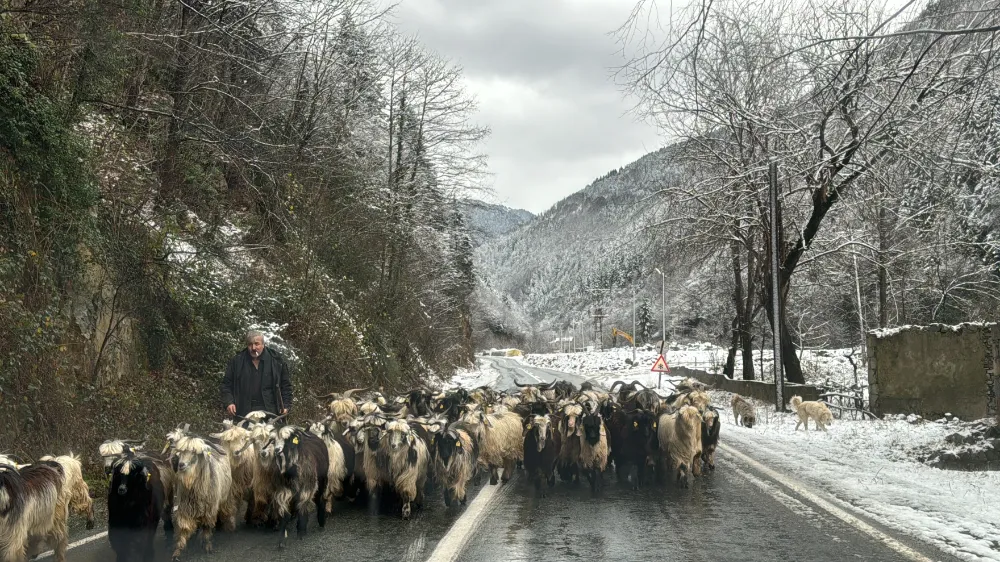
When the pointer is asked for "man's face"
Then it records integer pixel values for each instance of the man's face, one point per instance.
(256, 347)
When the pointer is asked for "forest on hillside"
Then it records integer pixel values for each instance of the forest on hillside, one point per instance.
(885, 125)
(173, 173)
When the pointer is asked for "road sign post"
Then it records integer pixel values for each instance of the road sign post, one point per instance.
(660, 367)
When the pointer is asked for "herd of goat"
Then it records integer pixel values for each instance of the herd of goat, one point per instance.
(367, 448)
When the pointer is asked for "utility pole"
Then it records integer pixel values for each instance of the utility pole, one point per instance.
(634, 335)
(663, 309)
(779, 379)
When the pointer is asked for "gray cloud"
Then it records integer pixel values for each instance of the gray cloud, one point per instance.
(541, 71)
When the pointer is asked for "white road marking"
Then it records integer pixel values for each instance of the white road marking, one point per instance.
(453, 542)
(80, 542)
(828, 506)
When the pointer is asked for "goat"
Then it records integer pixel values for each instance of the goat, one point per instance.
(340, 475)
(568, 416)
(743, 409)
(531, 393)
(541, 452)
(456, 457)
(679, 435)
(710, 426)
(236, 441)
(818, 411)
(203, 489)
(115, 449)
(260, 509)
(500, 441)
(136, 502)
(302, 461)
(74, 496)
(594, 449)
(634, 435)
(29, 496)
(342, 407)
(402, 459)
(365, 434)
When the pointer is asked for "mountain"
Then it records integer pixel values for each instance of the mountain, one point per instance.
(487, 221)
(589, 250)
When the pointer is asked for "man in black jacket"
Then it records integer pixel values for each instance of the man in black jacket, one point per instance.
(256, 379)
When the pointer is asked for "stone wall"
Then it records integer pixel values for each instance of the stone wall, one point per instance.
(935, 369)
(763, 391)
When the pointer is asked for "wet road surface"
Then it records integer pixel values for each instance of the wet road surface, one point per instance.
(732, 514)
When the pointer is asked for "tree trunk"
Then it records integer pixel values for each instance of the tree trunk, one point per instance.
(883, 281)
(730, 367)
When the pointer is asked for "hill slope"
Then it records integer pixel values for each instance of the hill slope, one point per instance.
(487, 221)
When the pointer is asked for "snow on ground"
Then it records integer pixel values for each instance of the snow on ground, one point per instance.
(869, 465)
(819, 365)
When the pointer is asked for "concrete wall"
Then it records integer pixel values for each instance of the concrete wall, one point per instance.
(754, 389)
(935, 369)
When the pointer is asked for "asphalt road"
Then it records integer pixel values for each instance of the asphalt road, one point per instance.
(733, 514)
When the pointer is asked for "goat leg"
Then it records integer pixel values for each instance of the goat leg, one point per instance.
(185, 529)
(283, 529)
(302, 520)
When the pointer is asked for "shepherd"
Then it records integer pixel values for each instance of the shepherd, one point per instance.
(256, 379)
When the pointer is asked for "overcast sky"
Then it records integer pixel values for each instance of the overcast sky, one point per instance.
(540, 69)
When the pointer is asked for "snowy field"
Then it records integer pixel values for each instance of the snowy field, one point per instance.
(818, 365)
(871, 466)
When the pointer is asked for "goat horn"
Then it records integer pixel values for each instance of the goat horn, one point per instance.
(634, 383)
(616, 384)
(348, 393)
(331, 395)
(519, 385)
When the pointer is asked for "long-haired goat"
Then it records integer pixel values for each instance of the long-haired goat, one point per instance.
(29, 496)
(342, 407)
(136, 502)
(501, 443)
(679, 435)
(818, 411)
(710, 426)
(402, 459)
(594, 449)
(203, 489)
(74, 497)
(568, 426)
(303, 463)
(455, 462)
(237, 442)
(340, 475)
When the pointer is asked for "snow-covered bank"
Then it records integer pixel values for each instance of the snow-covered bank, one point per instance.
(818, 365)
(871, 465)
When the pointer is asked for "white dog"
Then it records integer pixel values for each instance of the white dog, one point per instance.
(816, 410)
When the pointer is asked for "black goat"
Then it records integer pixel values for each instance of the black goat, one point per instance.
(541, 451)
(303, 464)
(135, 505)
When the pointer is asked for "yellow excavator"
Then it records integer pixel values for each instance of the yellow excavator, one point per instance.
(615, 332)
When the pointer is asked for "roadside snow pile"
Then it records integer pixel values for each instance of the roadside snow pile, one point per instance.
(871, 466)
(483, 375)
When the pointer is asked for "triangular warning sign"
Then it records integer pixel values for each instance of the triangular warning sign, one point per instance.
(661, 365)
